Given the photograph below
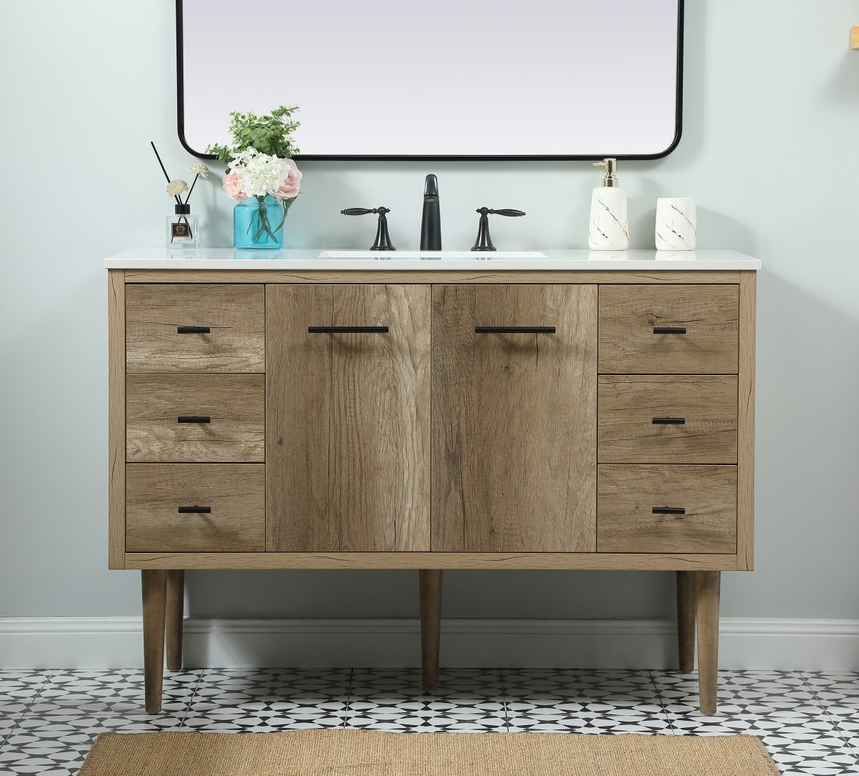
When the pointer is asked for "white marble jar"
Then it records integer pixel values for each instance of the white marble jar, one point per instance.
(676, 224)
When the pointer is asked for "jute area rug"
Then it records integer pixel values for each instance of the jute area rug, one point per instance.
(364, 753)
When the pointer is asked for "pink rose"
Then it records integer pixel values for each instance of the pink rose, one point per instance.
(233, 186)
(291, 184)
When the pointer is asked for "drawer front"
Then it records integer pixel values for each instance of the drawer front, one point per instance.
(195, 328)
(672, 329)
(233, 494)
(628, 495)
(195, 418)
(667, 419)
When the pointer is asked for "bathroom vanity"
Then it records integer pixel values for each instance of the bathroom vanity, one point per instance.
(577, 411)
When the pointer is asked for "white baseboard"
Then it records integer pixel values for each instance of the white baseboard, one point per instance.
(116, 642)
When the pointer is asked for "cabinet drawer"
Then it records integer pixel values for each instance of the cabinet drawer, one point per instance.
(202, 418)
(233, 494)
(195, 328)
(628, 495)
(667, 419)
(670, 329)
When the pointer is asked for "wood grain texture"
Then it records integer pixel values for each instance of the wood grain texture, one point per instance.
(686, 604)
(628, 314)
(595, 561)
(425, 277)
(235, 405)
(235, 314)
(514, 447)
(628, 494)
(235, 493)
(116, 417)
(746, 443)
(348, 419)
(154, 593)
(430, 590)
(629, 403)
(174, 618)
(707, 584)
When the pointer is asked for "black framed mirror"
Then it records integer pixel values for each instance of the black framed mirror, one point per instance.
(488, 79)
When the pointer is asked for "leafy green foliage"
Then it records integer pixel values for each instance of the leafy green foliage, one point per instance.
(270, 134)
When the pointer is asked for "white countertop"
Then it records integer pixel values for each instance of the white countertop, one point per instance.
(308, 259)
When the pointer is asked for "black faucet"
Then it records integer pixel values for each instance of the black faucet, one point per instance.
(431, 219)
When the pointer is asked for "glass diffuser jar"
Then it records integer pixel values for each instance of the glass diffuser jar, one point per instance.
(182, 228)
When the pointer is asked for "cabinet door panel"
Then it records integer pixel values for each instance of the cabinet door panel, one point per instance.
(347, 419)
(514, 419)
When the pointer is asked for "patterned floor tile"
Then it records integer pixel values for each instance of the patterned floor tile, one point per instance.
(100, 692)
(269, 701)
(59, 743)
(394, 700)
(588, 702)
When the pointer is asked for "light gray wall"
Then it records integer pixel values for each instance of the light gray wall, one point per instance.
(770, 152)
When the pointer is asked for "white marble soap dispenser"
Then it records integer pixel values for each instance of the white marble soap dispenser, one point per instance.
(608, 229)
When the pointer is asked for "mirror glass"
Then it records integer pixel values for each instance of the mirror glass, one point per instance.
(445, 79)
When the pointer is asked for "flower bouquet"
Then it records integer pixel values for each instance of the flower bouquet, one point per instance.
(261, 176)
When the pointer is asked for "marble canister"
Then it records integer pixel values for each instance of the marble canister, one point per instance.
(676, 224)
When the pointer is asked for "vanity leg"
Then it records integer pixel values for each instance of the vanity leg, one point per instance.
(154, 584)
(174, 618)
(430, 584)
(686, 620)
(707, 596)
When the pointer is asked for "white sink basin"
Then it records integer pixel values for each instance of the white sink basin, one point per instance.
(431, 255)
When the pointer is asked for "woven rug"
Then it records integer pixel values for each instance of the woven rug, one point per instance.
(364, 753)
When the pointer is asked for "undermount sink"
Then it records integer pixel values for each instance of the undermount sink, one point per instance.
(431, 255)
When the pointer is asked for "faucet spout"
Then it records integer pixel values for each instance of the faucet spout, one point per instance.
(431, 219)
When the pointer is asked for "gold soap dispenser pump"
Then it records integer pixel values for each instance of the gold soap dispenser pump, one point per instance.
(608, 229)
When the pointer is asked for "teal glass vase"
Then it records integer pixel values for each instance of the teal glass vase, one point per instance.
(258, 223)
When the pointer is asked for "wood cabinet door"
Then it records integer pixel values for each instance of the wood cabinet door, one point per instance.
(514, 418)
(347, 418)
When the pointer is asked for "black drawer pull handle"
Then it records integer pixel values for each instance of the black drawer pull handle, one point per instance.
(514, 330)
(193, 419)
(669, 329)
(195, 510)
(669, 421)
(347, 330)
(669, 510)
(193, 330)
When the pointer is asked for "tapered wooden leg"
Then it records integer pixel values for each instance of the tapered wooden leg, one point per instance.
(174, 618)
(686, 620)
(430, 625)
(154, 584)
(707, 610)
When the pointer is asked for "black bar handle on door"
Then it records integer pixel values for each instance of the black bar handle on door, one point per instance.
(347, 329)
(669, 510)
(668, 421)
(193, 330)
(514, 330)
(195, 510)
(193, 419)
(669, 329)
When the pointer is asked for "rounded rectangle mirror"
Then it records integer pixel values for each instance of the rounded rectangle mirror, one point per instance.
(488, 79)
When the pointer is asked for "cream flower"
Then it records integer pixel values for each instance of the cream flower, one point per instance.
(198, 168)
(176, 187)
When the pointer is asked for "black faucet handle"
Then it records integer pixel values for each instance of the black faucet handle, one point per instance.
(504, 212)
(383, 240)
(484, 241)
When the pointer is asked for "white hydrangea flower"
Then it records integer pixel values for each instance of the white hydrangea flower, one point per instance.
(260, 174)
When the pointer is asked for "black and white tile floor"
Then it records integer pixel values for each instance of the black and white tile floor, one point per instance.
(809, 722)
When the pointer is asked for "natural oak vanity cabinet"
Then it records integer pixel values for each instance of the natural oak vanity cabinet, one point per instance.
(299, 413)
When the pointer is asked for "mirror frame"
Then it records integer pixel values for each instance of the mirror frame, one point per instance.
(678, 126)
